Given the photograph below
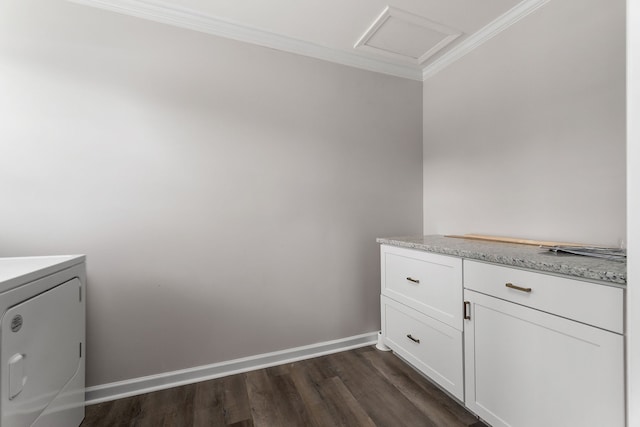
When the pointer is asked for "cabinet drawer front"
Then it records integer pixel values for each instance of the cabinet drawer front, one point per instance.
(590, 303)
(428, 282)
(429, 345)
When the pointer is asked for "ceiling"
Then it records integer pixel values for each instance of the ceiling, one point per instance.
(407, 38)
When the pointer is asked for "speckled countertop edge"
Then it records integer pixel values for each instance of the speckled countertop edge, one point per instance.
(522, 256)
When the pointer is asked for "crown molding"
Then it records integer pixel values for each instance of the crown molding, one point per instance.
(158, 11)
(490, 30)
(166, 13)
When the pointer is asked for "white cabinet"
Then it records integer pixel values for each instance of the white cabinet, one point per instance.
(525, 365)
(519, 348)
(421, 311)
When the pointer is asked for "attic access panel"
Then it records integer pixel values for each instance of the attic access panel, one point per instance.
(406, 36)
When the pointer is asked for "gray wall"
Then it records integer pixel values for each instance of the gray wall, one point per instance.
(227, 196)
(525, 136)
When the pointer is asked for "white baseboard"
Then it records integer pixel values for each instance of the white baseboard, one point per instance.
(135, 386)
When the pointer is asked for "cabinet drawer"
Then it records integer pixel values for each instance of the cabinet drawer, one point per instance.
(590, 303)
(427, 282)
(429, 345)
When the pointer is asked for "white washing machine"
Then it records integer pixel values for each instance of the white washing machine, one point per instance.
(42, 309)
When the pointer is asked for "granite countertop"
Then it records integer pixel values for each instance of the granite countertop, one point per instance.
(517, 255)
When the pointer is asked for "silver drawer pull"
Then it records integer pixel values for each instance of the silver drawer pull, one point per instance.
(412, 280)
(413, 339)
(517, 288)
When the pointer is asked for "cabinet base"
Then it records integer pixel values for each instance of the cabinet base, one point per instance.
(381, 345)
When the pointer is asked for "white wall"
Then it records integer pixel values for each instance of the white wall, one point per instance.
(525, 136)
(633, 211)
(227, 196)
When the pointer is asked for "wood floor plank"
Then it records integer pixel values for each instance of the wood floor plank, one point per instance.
(306, 379)
(170, 407)
(426, 397)
(290, 404)
(274, 371)
(208, 405)
(175, 399)
(236, 399)
(344, 408)
(320, 368)
(263, 412)
(318, 411)
(432, 392)
(97, 412)
(177, 419)
(243, 423)
(118, 413)
(372, 392)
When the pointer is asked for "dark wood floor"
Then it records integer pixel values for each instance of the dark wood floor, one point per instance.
(363, 387)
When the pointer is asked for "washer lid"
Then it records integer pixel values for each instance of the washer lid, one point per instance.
(20, 270)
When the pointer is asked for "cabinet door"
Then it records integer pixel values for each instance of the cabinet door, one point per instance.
(524, 367)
